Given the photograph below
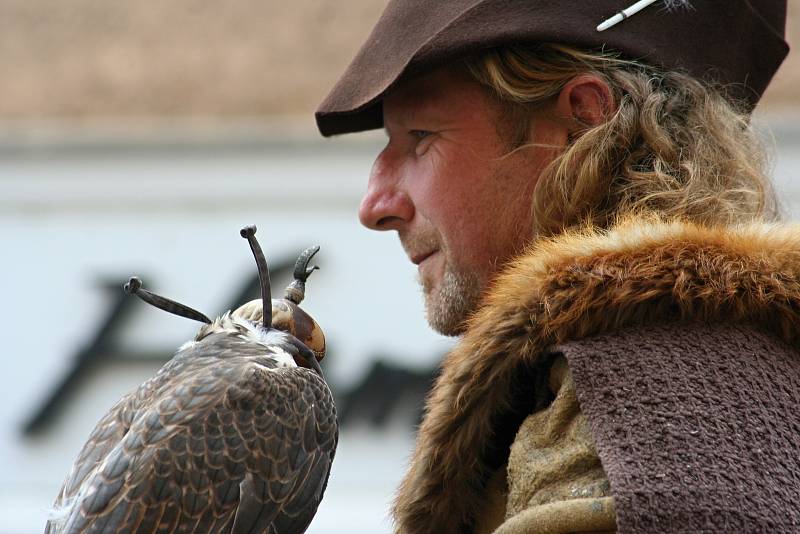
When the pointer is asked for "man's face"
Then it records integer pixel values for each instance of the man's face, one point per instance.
(449, 184)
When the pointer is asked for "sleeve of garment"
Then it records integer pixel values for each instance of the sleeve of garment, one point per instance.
(555, 481)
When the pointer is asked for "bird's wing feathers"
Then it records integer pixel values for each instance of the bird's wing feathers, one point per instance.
(292, 455)
(108, 432)
(236, 443)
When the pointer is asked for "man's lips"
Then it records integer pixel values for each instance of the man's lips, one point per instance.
(416, 259)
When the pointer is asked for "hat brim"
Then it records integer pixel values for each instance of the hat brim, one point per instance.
(737, 48)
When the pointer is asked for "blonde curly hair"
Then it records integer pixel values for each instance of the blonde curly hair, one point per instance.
(674, 146)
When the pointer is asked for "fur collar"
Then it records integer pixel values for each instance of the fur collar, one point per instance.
(577, 285)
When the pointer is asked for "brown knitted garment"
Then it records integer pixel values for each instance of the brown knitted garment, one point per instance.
(694, 437)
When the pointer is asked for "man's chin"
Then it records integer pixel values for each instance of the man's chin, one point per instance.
(449, 305)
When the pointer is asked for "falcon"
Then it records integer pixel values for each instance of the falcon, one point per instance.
(236, 433)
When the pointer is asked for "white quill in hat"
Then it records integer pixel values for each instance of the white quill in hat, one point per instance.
(635, 8)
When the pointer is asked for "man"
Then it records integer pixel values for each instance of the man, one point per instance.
(588, 210)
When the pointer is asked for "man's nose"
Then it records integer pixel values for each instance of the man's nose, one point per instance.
(386, 205)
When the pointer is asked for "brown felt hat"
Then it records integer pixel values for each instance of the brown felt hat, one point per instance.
(738, 43)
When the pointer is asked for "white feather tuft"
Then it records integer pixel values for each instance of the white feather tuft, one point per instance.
(282, 358)
(57, 516)
(274, 340)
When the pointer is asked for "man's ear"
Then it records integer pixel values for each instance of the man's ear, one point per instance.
(585, 101)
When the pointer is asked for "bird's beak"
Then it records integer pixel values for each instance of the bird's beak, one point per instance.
(309, 361)
(305, 357)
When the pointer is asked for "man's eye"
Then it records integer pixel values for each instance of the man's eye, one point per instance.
(422, 140)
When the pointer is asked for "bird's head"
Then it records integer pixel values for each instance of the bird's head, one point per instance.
(284, 314)
(287, 315)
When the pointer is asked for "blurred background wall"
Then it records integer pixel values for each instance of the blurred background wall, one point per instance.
(137, 138)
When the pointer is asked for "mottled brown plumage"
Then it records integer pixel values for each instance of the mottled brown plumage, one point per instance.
(231, 435)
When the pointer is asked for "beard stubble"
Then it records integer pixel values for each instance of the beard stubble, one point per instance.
(447, 306)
